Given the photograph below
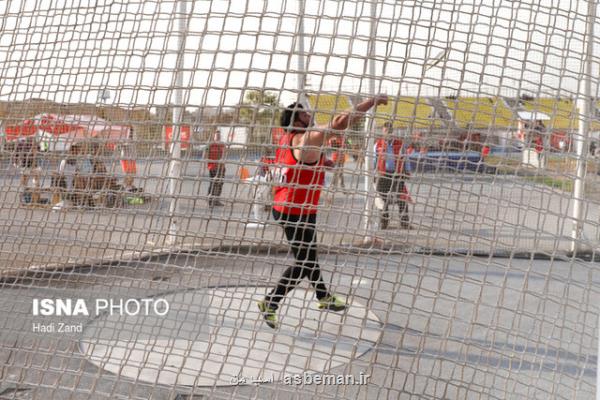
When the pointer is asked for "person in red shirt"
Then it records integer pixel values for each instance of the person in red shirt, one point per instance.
(391, 176)
(485, 151)
(538, 141)
(299, 176)
(216, 170)
(539, 144)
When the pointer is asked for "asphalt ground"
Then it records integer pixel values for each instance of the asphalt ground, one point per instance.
(448, 328)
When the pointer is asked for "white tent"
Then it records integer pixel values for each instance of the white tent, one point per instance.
(532, 116)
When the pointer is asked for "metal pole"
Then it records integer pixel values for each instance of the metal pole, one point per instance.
(370, 141)
(175, 148)
(598, 365)
(301, 67)
(584, 103)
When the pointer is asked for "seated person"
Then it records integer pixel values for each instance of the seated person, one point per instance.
(82, 174)
(25, 158)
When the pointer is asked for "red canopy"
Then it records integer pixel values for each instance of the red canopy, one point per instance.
(63, 130)
(56, 126)
(25, 128)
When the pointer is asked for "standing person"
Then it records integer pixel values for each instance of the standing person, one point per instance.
(338, 158)
(595, 152)
(128, 161)
(299, 180)
(262, 190)
(353, 149)
(216, 169)
(67, 171)
(83, 179)
(391, 176)
(538, 141)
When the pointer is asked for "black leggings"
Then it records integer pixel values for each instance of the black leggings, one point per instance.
(217, 176)
(390, 188)
(300, 233)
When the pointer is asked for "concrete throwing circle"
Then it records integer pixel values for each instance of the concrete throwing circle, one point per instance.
(216, 336)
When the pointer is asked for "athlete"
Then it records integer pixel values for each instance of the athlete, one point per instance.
(299, 176)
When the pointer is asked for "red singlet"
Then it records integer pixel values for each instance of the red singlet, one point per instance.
(298, 185)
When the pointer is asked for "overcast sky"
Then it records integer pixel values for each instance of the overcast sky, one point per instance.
(70, 50)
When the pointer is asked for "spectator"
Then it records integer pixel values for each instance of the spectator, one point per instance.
(216, 169)
(263, 189)
(25, 159)
(128, 161)
(84, 172)
(391, 176)
(485, 151)
(338, 157)
(64, 183)
(539, 129)
(539, 149)
(353, 149)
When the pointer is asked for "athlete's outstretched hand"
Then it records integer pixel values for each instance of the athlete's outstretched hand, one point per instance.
(380, 99)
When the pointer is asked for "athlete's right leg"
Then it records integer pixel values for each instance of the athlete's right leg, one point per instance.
(290, 278)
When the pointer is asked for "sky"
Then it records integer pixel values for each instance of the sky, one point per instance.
(73, 50)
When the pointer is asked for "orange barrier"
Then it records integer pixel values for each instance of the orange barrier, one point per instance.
(129, 166)
(244, 173)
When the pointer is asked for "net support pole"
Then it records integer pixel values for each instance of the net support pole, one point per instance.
(581, 147)
(584, 104)
(598, 364)
(175, 147)
(301, 67)
(369, 123)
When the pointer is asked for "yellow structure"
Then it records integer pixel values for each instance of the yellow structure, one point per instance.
(480, 113)
(467, 112)
(326, 106)
(562, 112)
(407, 113)
(410, 112)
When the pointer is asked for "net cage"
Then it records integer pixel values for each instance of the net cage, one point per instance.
(425, 226)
